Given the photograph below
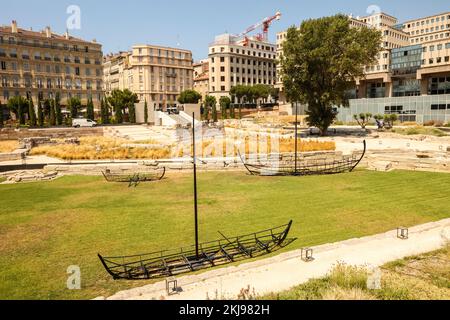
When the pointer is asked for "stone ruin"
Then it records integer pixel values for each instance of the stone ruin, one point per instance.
(29, 176)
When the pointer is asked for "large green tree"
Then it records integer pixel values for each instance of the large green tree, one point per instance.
(19, 106)
(189, 96)
(123, 100)
(320, 62)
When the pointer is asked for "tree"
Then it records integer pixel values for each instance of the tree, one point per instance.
(46, 107)
(52, 119)
(107, 113)
(363, 119)
(210, 104)
(1, 115)
(31, 113)
(19, 106)
(121, 100)
(90, 109)
(260, 91)
(389, 120)
(320, 62)
(59, 116)
(189, 96)
(74, 104)
(145, 112)
(40, 114)
(225, 103)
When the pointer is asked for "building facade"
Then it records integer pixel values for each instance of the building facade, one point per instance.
(412, 75)
(236, 61)
(201, 78)
(156, 74)
(38, 65)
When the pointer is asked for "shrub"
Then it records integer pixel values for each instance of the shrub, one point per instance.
(429, 123)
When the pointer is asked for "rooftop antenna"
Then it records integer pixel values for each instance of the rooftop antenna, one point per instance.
(178, 40)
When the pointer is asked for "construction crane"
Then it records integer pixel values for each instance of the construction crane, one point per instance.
(265, 24)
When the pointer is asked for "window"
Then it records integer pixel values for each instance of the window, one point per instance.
(3, 64)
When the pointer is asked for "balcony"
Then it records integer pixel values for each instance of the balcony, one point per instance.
(67, 60)
(37, 58)
(26, 57)
(13, 55)
(57, 59)
(2, 54)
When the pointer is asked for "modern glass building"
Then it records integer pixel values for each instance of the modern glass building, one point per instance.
(418, 109)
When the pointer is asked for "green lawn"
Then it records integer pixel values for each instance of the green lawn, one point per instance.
(46, 227)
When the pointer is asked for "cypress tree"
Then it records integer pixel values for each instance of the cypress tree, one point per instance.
(214, 113)
(1, 115)
(145, 112)
(32, 113)
(90, 109)
(21, 112)
(119, 114)
(106, 111)
(40, 114)
(59, 117)
(52, 120)
(132, 112)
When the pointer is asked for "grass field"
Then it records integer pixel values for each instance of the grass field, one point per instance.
(46, 227)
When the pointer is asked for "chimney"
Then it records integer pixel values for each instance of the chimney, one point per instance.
(48, 32)
(14, 26)
(66, 35)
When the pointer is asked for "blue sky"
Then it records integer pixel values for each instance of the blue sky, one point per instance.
(191, 24)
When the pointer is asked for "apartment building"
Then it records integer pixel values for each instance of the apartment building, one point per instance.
(156, 74)
(201, 78)
(245, 61)
(412, 75)
(38, 65)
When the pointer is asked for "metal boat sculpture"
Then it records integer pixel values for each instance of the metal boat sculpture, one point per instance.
(307, 165)
(199, 256)
(211, 254)
(133, 179)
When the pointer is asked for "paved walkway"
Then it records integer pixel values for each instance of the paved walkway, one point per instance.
(286, 270)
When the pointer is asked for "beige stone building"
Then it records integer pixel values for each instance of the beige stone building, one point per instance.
(201, 78)
(234, 61)
(39, 64)
(156, 74)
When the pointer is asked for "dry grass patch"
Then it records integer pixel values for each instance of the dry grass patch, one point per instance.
(423, 277)
(288, 145)
(8, 146)
(100, 148)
